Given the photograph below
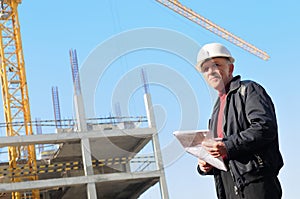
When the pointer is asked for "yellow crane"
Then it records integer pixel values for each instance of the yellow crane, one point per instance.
(15, 96)
(176, 6)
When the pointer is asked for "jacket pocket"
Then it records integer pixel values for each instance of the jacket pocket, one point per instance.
(254, 165)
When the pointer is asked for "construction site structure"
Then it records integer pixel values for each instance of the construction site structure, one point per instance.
(95, 157)
(188, 13)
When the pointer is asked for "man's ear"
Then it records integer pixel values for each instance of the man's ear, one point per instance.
(231, 68)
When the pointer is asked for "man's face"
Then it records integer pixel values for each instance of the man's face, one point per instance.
(217, 72)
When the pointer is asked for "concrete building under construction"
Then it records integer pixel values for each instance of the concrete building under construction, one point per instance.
(88, 158)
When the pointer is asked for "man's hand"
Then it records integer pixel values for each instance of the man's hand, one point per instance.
(215, 148)
(204, 166)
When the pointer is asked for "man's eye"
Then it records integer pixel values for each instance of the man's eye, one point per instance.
(205, 69)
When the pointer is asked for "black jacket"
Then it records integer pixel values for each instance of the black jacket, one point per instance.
(250, 134)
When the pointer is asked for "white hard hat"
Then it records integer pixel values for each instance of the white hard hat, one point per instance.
(209, 51)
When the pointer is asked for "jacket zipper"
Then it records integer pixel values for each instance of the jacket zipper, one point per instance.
(236, 189)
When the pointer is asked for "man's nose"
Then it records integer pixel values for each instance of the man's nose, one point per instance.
(211, 70)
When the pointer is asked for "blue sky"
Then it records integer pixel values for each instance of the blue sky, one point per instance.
(50, 28)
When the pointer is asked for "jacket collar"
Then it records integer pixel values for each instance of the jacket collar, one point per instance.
(234, 83)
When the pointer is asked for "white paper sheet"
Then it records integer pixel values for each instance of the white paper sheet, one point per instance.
(191, 141)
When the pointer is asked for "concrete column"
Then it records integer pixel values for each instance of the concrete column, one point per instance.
(88, 167)
(156, 146)
(80, 112)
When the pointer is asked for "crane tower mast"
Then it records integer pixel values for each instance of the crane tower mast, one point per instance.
(177, 7)
(15, 95)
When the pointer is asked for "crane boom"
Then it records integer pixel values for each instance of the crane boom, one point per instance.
(214, 28)
(15, 95)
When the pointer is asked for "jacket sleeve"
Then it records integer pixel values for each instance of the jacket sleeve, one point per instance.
(205, 173)
(261, 122)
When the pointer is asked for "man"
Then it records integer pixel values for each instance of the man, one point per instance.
(244, 117)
